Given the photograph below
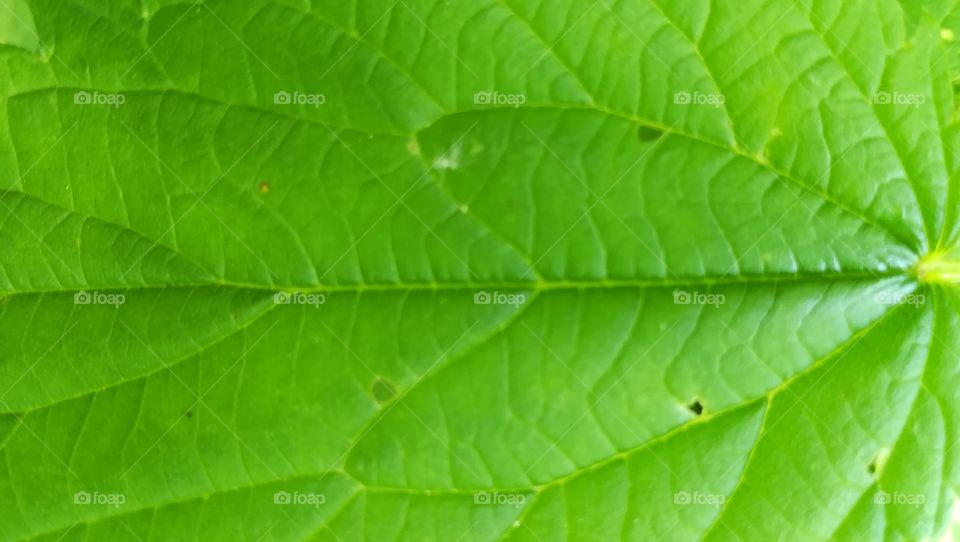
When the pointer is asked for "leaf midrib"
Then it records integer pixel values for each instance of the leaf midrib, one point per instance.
(533, 286)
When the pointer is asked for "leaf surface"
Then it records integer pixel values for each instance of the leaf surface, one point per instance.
(507, 270)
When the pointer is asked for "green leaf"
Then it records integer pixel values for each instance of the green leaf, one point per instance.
(507, 270)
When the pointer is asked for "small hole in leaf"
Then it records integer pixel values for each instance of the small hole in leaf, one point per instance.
(648, 133)
(696, 407)
(383, 390)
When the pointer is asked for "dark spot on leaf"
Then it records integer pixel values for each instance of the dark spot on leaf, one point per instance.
(382, 390)
(264, 187)
(188, 413)
(876, 466)
(648, 133)
(696, 407)
(413, 146)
